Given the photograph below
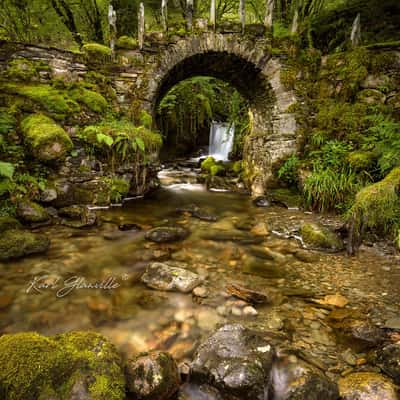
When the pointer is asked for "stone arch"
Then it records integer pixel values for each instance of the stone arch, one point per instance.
(250, 67)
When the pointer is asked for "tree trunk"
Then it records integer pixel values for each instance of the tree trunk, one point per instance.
(67, 17)
(242, 14)
(141, 26)
(213, 16)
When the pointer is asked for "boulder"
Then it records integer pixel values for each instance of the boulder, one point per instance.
(15, 243)
(366, 386)
(295, 380)
(78, 216)
(388, 359)
(167, 234)
(152, 376)
(164, 277)
(319, 237)
(76, 365)
(7, 223)
(236, 361)
(31, 212)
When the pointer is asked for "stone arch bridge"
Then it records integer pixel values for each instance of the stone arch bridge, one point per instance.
(142, 78)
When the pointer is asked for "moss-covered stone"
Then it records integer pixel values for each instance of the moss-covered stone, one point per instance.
(126, 42)
(47, 140)
(361, 160)
(318, 236)
(7, 223)
(96, 52)
(376, 206)
(152, 376)
(33, 365)
(44, 97)
(31, 212)
(371, 96)
(22, 69)
(92, 100)
(213, 167)
(15, 243)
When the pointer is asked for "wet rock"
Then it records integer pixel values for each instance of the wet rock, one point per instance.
(244, 224)
(260, 229)
(295, 380)
(31, 212)
(320, 237)
(48, 195)
(78, 216)
(366, 386)
(236, 361)
(306, 256)
(200, 291)
(167, 234)
(129, 227)
(232, 236)
(262, 201)
(198, 213)
(16, 243)
(191, 391)
(267, 254)
(248, 295)
(388, 359)
(366, 332)
(152, 376)
(164, 277)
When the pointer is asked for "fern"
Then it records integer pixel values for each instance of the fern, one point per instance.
(6, 169)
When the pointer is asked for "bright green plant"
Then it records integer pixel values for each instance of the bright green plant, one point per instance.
(288, 171)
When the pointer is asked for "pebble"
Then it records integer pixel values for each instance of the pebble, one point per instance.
(200, 291)
(250, 311)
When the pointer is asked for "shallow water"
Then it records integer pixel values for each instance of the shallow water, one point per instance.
(136, 318)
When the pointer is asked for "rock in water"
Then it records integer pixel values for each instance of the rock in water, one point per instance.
(366, 386)
(198, 392)
(388, 359)
(31, 212)
(164, 277)
(319, 237)
(129, 227)
(78, 216)
(167, 234)
(261, 201)
(296, 380)
(15, 243)
(236, 361)
(152, 376)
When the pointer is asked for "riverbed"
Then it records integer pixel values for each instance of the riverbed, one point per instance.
(91, 279)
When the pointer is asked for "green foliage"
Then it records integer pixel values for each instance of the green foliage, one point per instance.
(6, 169)
(119, 188)
(383, 140)
(288, 172)
(146, 119)
(328, 189)
(7, 123)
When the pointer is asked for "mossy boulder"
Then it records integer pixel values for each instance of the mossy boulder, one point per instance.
(126, 42)
(31, 212)
(361, 160)
(45, 98)
(15, 243)
(319, 237)
(96, 52)
(35, 366)
(152, 376)
(22, 69)
(92, 100)
(7, 223)
(213, 167)
(366, 386)
(78, 216)
(46, 140)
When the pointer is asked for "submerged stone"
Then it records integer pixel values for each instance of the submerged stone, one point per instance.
(388, 359)
(16, 243)
(164, 277)
(366, 386)
(296, 380)
(78, 216)
(236, 361)
(152, 376)
(167, 234)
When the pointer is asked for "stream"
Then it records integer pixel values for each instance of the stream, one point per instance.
(222, 252)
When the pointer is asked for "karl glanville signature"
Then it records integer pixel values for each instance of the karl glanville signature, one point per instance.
(64, 287)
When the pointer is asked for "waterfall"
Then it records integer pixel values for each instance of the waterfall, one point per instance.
(221, 140)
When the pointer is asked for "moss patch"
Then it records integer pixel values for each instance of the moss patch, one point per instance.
(33, 364)
(96, 52)
(126, 42)
(7, 223)
(317, 236)
(92, 100)
(46, 139)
